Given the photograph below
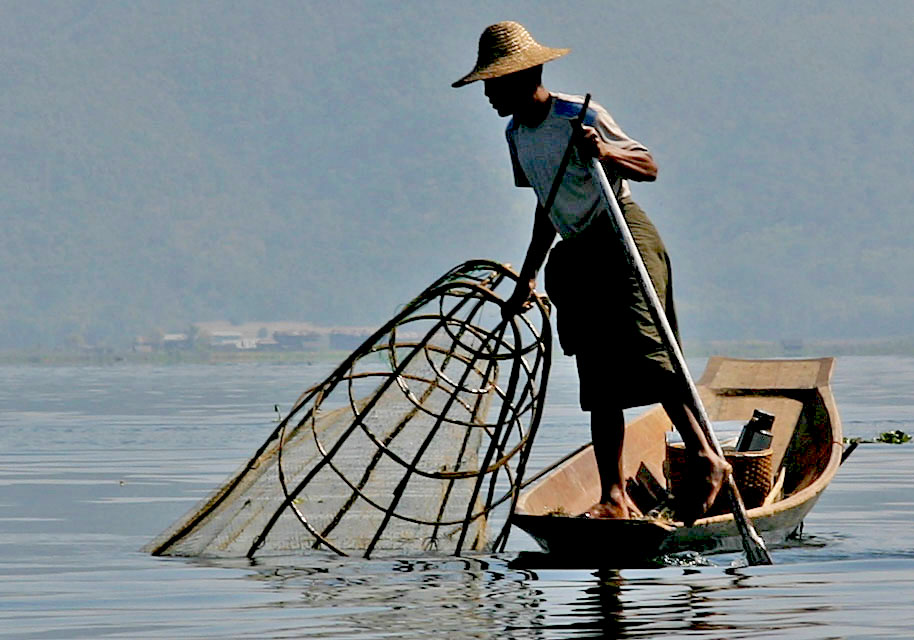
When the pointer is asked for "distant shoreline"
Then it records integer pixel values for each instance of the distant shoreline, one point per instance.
(895, 346)
(902, 346)
(70, 358)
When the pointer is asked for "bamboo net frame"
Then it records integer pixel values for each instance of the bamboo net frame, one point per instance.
(411, 443)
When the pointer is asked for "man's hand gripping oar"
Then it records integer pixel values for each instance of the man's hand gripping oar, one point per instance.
(754, 546)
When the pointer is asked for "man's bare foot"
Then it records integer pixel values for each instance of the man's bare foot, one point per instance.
(706, 477)
(606, 511)
(633, 510)
(619, 506)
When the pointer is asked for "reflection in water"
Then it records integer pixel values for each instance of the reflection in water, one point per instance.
(403, 597)
(598, 611)
(486, 598)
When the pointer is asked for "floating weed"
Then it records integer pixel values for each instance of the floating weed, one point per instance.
(896, 436)
(893, 437)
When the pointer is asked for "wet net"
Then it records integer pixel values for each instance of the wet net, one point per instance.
(411, 444)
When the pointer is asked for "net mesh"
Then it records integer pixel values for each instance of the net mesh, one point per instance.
(410, 444)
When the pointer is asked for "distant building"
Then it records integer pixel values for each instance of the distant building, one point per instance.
(300, 340)
(224, 340)
(257, 336)
(142, 345)
(176, 342)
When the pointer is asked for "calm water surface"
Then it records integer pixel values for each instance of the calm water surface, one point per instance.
(96, 461)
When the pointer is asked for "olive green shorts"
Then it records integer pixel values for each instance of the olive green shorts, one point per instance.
(603, 318)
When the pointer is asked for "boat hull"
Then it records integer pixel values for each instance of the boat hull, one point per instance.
(807, 451)
(636, 542)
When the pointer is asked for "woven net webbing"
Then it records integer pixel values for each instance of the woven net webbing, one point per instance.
(411, 444)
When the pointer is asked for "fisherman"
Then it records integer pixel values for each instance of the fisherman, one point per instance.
(603, 317)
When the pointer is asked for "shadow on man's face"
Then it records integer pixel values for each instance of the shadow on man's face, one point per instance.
(512, 92)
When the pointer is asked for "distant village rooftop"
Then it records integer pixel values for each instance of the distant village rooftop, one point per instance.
(257, 336)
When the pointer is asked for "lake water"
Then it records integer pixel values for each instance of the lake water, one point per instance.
(96, 461)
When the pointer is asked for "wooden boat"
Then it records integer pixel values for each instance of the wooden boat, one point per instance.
(806, 450)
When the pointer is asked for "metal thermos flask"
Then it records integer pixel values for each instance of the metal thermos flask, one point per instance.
(756, 434)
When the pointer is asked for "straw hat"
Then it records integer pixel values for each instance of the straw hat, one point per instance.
(506, 47)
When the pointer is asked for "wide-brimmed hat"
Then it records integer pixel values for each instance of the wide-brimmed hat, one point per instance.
(506, 47)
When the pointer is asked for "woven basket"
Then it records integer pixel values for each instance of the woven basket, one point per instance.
(751, 470)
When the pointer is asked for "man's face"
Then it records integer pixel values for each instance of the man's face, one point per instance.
(509, 93)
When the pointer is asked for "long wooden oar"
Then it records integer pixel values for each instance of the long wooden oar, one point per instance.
(754, 546)
(566, 158)
(563, 165)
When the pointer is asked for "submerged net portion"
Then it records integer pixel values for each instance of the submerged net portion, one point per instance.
(410, 444)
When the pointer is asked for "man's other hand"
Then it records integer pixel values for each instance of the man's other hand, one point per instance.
(590, 144)
(520, 300)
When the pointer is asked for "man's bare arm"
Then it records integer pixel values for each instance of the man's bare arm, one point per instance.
(540, 242)
(631, 164)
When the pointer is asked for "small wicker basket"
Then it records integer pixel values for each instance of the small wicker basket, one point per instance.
(751, 470)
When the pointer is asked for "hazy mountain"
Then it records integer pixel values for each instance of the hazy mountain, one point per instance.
(165, 162)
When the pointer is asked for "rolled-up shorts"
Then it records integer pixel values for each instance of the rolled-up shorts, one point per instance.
(603, 318)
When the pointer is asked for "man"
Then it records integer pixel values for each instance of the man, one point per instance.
(603, 318)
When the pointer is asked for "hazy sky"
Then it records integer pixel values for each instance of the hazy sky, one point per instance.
(165, 162)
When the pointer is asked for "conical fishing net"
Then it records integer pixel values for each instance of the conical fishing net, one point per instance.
(411, 444)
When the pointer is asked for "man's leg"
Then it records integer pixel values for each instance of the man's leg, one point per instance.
(607, 428)
(707, 470)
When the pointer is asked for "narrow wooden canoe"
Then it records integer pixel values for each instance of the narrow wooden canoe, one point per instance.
(806, 452)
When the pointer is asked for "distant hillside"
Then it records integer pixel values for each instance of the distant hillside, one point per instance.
(167, 162)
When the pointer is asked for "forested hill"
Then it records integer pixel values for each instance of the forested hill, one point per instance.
(168, 162)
